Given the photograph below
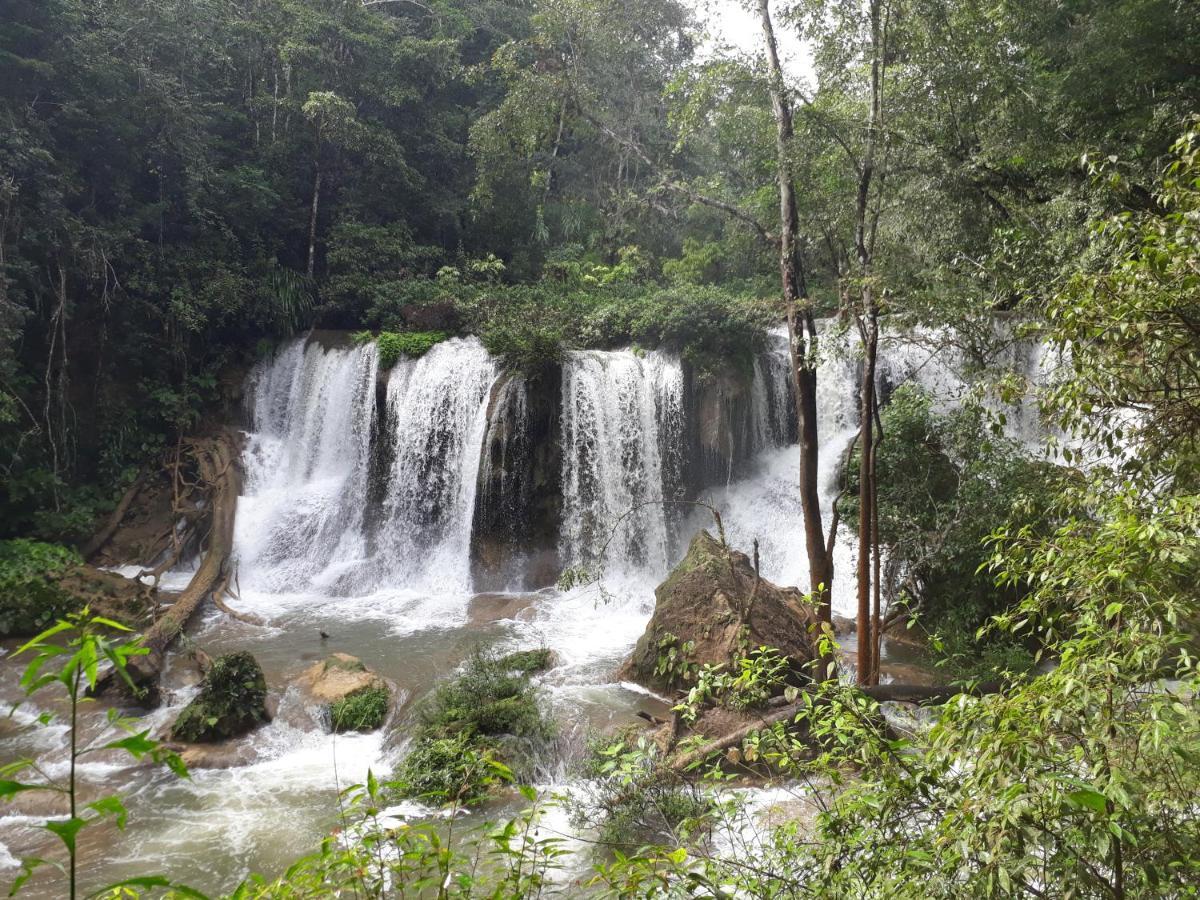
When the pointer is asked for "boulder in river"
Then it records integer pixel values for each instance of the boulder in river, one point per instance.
(232, 701)
(712, 609)
(355, 697)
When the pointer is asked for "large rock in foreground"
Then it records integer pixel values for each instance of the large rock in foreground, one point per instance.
(711, 601)
(232, 701)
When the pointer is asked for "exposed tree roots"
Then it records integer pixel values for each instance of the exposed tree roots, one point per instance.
(216, 460)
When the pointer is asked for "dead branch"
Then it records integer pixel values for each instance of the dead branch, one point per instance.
(104, 535)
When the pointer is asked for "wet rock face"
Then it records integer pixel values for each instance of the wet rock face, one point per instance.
(711, 602)
(338, 677)
(518, 503)
(232, 701)
(719, 420)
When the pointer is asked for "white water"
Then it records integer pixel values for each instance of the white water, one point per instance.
(622, 420)
(306, 461)
(438, 405)
(765, 505)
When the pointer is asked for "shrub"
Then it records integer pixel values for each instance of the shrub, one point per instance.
(362, 710)
(30, 595)
(945, 483)
(413, 344)
(467, 725)
(232, 700)
(528, 661)
(447, 769)
(633, 799)
(489, 698)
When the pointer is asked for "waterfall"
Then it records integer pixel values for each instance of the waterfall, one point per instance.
(437, 414)
(765, 504)
(307, 521)
(307, 460)
(622, 418)
(772, 394)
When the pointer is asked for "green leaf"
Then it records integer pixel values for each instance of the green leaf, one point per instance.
(1090, 799)
(111, 806)
(66, 830)
(136, 745)
(11, 788)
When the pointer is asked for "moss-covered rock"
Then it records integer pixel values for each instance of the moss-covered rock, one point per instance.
(41, 582)
(355, 698)
(530, 662)
(487, 714)
(232, 701)
(712, 610)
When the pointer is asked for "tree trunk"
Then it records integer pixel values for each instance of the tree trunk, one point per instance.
(312, 221)
(868, 322)
(802, 332)
(104, 535)
(218, 463)
(866, 502)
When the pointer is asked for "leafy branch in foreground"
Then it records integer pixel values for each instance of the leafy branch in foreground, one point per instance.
(70, 656)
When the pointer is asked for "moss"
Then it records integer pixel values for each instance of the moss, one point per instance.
(413, 344)
(232, 700)
(528, 661)
(31, 597)
(362, 710)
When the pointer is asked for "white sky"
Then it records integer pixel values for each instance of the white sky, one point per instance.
(730, 22)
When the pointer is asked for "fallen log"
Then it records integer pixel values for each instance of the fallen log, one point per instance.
(219, 601)
(882, 693)
(104, 535)
(216, 459)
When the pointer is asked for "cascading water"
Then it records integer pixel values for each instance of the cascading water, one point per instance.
(437, 413)
(622, 418)
(765, 505)
(355, 534)
(306, 523)
(307, 463)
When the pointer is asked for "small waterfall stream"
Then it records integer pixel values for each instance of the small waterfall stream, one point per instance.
(436, 417)
(307, 460)
(622, 431)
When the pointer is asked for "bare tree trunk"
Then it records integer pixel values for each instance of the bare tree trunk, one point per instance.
(102, 537)
(312, 221)
(868, 321)
(802, 332)
(866, 498)
(217, 460)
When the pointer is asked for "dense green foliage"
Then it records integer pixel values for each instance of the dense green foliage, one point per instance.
(30, 597)
(232, 700)
(946, 481)
(393, 345)
(362, 710)
(487, 714)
